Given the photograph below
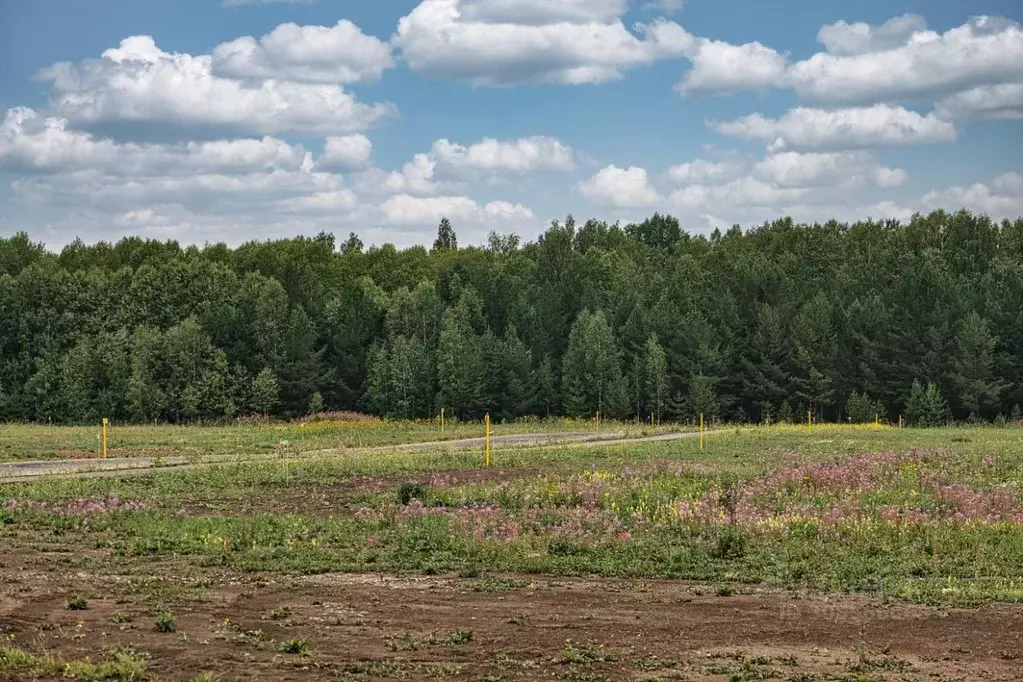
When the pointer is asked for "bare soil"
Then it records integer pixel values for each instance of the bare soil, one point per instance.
(386, 627)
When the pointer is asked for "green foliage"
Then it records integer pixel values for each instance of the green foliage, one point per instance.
(294, 646)
(145, 331)
(265, 391)
(926, 406)
(315, 404)
(861, 409)
(446, 239)
(77, 603)
(593, 380)
(655, 378)
(701, 398)
(165, 622)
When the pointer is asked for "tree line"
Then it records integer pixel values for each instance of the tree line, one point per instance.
(849, 321)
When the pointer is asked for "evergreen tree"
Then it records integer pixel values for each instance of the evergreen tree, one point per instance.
(462, 359)
(785, 414)
(655, 378)
(861, 409)
(315, 404)
(145, 397)
(301, 370)
(926, 406)
(701, 398)
(401, 379)
(592, 373)
(973, 370)
(543, 387)
(265, 392)
(446, 239)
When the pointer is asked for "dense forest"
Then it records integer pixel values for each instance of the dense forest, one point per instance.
(923, 318)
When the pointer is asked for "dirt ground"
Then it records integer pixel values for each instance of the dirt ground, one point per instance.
(369, 627)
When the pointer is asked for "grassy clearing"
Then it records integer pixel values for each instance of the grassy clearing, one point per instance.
(934, 516)
(120, 665)
(40, 442)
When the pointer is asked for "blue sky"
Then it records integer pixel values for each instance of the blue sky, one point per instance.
(203, 120)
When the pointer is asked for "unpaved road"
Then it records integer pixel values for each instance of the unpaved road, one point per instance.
(19, 472)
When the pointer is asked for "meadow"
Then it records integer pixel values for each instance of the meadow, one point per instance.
(20, 441)
(919, 519)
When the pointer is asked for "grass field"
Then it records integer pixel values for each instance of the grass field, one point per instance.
(41, 442)
(905, 519)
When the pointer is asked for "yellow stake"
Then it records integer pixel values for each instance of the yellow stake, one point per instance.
(701, 430)
(486, 421)
(442, 420)
(104, 437)
(877, 421)
(900, 421)
(809, 420)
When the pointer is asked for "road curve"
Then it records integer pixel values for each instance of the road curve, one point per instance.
(21, 472)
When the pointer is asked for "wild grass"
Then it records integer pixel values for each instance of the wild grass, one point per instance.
(934, 516)
(41, 441)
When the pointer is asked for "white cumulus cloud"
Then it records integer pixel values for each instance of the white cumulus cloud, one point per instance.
(404, 209)
(720, 67)
(704, 172)
(346, 152)
(317, 54)
(794, 169)
(490, 42)
(1004, 101)
(31, 142)
(620, 188)
(805, 128)
(845, 39)
(525, 155)
(921, 64)
(141, 84)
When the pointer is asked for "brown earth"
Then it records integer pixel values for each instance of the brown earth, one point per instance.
(385, 627)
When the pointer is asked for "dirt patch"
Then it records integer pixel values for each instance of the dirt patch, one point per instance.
(493, 627)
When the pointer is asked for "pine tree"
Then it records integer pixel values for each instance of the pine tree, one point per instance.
(861, 409)
(301, 370)
(401, 375)
(701, 398)
(973, 373)
(315, 404)
(446, 239)
(463, 360)
(785, 414)
(543, 387)
(655, 378)
(144, 397)
(926, 406)
(516, 398)
(593, 380)
(265, 392)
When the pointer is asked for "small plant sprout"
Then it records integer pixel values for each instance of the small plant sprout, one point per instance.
(165, 622)
(77, 603)
(294, 646)
(460, 637)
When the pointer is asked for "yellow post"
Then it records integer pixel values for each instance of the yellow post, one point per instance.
(701, 430)
(486, 421)
(900, 421)
(809, 420)
(105, 437)
(877, 421)
(442, 420)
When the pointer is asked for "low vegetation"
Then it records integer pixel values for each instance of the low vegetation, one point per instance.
(933, 516)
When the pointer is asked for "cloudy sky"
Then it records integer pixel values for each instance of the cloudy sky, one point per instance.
(230, 120)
